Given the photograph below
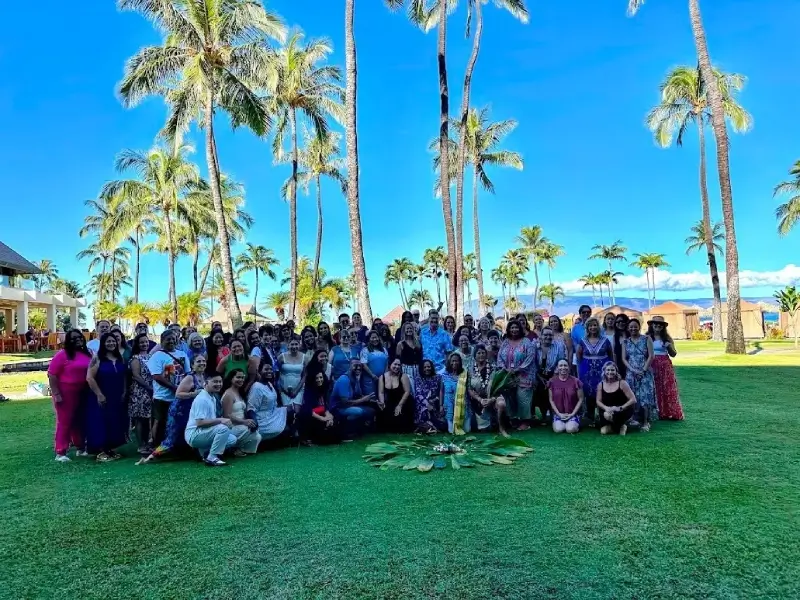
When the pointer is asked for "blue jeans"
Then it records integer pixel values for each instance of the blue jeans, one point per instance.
(354, 419)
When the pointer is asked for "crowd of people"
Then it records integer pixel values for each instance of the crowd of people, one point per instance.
(236, 393)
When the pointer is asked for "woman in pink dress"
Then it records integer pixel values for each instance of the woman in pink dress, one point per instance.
(67, 375)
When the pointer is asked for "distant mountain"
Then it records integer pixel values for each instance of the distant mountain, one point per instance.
(572, 303)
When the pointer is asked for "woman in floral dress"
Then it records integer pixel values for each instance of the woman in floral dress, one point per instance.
(637, 355)
(140, 405)
(517, 355)
(593, 352)
(427, 413)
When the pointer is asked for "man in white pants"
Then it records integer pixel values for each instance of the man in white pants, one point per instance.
(205, 431)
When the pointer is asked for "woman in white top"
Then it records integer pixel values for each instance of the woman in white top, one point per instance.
(609, 327)
(263, 399)
(234, 408)
(292, 366)
(204, 430)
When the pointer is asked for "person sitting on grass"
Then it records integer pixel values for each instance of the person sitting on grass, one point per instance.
(350, 405)
(566, 399)
(234, 408)
(489, 411)
(615, 400)
(274, 421)
(205, 431)
(318, 424)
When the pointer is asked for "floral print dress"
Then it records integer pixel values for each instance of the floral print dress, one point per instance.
(643, 386)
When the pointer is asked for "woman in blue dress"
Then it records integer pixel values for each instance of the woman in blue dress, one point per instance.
(594, 351)
(340, 355)
(106, 416)
(637, 354)
(374, 359)
(454, 390)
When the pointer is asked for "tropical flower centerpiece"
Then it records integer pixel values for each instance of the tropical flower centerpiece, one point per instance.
(424, 454)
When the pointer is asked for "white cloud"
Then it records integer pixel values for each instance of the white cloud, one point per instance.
(695, 280)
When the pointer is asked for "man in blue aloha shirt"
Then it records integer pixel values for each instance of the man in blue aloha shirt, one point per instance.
(436, 342)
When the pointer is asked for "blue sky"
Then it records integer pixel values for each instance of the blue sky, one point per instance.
(579, 78)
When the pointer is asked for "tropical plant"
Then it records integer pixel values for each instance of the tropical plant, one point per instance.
(211, 53)
(649, 263)
(533, 243)
(113, 257)
(319, 157)
(421, 299)
(499, 276)
(516, 264)
(697, 240)
(110, 311)
(608, 279)
(789, 302)
(684, 102)
(49, 273)
(426, 454)
(359, 286)
(256, 259)
(277, 301)
(716, 101)
(435, 261)
(65, 286)
(788, 213)
(489, 302)
(215, 291)
(590, 280)
(551, 293)
(398, 272)
(548, 254)
(191, 308)
(312, 300)
(300, 85)
(514, 305)
(137, 312)
(470, 274)
(614, 252)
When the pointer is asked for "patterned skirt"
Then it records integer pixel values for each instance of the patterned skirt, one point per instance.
(177, 419)
(669, 403)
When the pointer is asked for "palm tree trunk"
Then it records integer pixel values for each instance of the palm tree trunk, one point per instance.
(351, 144)
(318, 253)
(602, 300)
(102, 290)
(206, 271)
(171, 258)
(549, 275)
(113, 274)
(649, 296)
(469, 294)
(476, 235)
(234, 312)
(293, 219)
(136, 269)
(462, 146)
(594, 297)
(255, 298)
(536, 282)
(195, 263)
(716, 308)
(735, 342)
(611, 284)
(444, 153)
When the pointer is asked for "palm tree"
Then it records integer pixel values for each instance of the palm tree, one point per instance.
(319, 157)
(422, 299)
(514, 305)
(107, 282)
(191, 308)
(684, 102)
(789, 302)
(590, 280)
(211, 52)
(552, 293)
(788, 213)
(351, 143)
(533, 243)
(548, 255)
(216, 291)
(398, 273)
(489, 302)
(649, 263)
(499, 276)
(435, 260)
(162, 179)
(258, 259)
(716, 101)
(697, 240)
(615, 251)
(277, 301)
(474, 8)
(608, 278)
(418, 274)
(516, 264)
(301, 84)
(419, 15)
(470, 273)
(49, 273)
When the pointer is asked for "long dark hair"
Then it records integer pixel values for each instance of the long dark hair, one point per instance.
(618, 338)
(102, 353)
(134, 346)
(327, 337)
(227, 383)
(665, 336)
(70, 349)
(422, 368)
(314, 366)
(312, 393)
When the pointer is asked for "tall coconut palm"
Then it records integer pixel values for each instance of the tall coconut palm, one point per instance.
(549, 254)
(162, 179)
(421, 299)
(608, 279)
(398, 272)
(685, 102)
(516, 264)
(211, 53)
(418, 274)
(318, 158)
(614, 252)
(533, 243)
(256, 259)
(435, 260)
(499, 276)
(302, 86)
(697, 240)
(649, 263)
(49, 273)
(518, 9)
(489, 302)
(551, 293)
(788, 213)
(590, 280)
(351, 143)
(419, 15)
(470, 274)
(192, 309)
(716, 101)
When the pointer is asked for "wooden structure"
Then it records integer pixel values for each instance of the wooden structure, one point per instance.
(617, 309)
(683, 320)
(752, 320)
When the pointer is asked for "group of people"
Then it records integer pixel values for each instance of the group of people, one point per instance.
(264, 387)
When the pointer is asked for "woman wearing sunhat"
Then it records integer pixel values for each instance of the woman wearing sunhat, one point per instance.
(669, 403)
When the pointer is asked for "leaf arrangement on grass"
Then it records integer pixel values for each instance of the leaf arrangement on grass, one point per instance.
(425, 454)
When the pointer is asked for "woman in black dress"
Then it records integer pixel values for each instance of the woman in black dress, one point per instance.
(395, 400)
(615, 401)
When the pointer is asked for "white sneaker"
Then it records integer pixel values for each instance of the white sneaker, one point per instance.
(214, 461)
(82, 453)
(62, 458)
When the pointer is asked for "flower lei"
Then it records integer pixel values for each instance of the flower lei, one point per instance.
(483, 379)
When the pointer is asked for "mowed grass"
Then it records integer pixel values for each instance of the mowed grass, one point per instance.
(25, 356)
(706, 508)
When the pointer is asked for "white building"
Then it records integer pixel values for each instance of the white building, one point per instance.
(17, 296)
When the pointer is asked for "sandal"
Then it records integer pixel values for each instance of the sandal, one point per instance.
(239, 453)
(103, 457)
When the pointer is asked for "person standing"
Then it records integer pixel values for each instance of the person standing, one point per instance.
(106, 418)
(593, 352)
(666, 384)
(395, 400)
(292, 365)
(620, 334)
(637, 355)
(168, 367)
(609, 327)
(436, 343)
(576, 334)
(67, 377)
(359, 333)
(409, 352)
(101, 327)
(140, 406)
(142, 329)
(517, 355)
(374, 361)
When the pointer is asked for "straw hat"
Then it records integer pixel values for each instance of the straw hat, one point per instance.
(659, 320)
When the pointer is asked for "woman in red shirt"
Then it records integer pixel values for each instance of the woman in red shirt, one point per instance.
(566, 399)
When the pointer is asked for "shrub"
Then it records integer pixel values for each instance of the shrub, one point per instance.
(701, 334)
(775, 333)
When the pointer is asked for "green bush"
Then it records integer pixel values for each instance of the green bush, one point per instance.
(775, 333)
(701, 334)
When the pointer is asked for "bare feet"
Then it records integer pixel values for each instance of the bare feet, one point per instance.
(623, 430)
(605, 430)
(504, 433)
(523, 427)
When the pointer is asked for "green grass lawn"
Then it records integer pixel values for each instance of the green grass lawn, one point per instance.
(706, 508)
(25, 356)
